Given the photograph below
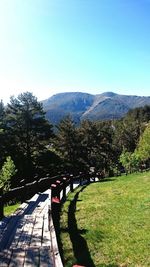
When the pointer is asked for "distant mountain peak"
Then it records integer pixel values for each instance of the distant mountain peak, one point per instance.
(108, 94)
(80, 106)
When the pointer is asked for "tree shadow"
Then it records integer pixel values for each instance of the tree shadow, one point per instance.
(80, 248)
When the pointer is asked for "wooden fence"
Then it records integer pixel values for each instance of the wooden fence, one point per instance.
(60, 186)
(56, 183)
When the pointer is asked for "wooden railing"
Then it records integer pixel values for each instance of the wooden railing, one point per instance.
(60, 186)
(56, 183)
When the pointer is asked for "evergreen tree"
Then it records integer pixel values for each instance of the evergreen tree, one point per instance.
(143, 148)
(67, 144)
(2, 133)
(127, 134)
(8, 170)
(96, 145)
(140, 114)
(129, 129)
(28, 132)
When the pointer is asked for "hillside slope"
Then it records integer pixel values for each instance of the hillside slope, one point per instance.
(82, 106)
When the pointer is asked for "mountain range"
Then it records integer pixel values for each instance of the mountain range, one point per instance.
(81, 106)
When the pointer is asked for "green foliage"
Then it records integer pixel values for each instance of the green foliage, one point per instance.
(28, 138)
(10, 209)
(125, 158)
(3, 138)
(28, 132)
(8, 170)
(96, 144)
(88, 145)
(143, 149)
(140, 114)
(129, 129)
(135, 162)
(66, 143)
(130, 161)
(127, 134)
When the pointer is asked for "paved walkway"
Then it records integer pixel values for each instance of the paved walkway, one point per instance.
(27, 238)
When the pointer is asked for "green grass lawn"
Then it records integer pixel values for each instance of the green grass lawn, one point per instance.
(107, 224)
(9, 209)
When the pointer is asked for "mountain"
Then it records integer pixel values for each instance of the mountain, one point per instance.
(60, 105)
(82, 106)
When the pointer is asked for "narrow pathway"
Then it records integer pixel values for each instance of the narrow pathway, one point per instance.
(27, 238)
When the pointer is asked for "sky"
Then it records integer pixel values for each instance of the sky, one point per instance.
(93, 46)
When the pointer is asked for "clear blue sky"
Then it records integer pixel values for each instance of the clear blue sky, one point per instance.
(51, 46)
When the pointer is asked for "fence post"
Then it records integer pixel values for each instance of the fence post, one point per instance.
(80, 177)
(64, 188)
(1, 204)
(53, 191)
(59, 188)
(23, 194)
(71, 182)
(88, 177)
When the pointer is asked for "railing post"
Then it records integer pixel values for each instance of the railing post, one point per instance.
(23, 194)
(88, 177)
(80, 177)
(53, 190)
(64, 180)
(59, 186)
(71, 182)
(1, 204)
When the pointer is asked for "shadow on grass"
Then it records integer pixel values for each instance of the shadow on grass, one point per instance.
(106, 180)
(79, 244)
(80, 248)
(108, 265)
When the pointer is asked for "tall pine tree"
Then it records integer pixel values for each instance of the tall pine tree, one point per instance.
(28, 132)
(2, 133)
(67, 144)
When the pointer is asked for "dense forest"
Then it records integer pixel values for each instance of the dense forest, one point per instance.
(31, 146)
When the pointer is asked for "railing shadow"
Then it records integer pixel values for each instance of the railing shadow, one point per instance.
(80, 248)
(108, 265)
(32, 205)
(14, 222)
(56, 211)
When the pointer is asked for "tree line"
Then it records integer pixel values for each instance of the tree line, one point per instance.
(35, 147)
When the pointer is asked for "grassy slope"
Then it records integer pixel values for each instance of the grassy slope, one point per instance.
(109, 223)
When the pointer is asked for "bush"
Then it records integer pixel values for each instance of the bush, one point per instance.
(8, 170)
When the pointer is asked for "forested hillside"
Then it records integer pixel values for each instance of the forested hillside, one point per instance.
(28, 140)
(83, 106)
